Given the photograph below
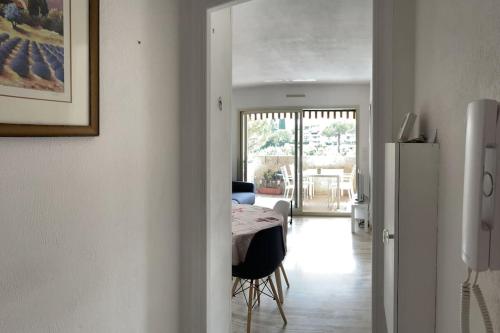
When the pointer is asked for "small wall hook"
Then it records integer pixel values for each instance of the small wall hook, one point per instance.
(220, 103)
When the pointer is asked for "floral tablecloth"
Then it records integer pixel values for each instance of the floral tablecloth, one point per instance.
(247, 221)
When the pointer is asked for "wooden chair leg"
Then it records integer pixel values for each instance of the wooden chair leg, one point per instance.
(277, 275)
(257, 291)
(280, 308)
(284, 275)
(235, 285)
(250, 306)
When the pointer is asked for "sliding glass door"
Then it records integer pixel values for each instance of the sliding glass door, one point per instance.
(305, 156)
(329, 141)
(269, 154)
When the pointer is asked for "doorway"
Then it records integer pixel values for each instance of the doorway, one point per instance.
(197, 307)
(306, 156)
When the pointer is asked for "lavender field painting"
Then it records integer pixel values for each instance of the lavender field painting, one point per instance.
(34, 40)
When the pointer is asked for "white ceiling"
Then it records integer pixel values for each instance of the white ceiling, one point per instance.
(290, 41)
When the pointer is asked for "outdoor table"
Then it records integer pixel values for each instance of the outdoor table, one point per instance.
(326, 173)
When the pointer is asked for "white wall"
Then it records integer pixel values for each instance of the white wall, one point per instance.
(218, 168)
(324, 95)
(89, 227)
(457, 48)
(403, 62)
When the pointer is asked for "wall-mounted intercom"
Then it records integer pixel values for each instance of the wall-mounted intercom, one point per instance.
(481, 202)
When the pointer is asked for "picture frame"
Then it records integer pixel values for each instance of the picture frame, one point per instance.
(66, 102)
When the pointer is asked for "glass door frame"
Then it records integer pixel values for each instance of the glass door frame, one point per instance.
(297, 198)
(353, 108)
(243, 154)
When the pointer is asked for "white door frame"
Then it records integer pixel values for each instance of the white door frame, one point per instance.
(193, 162)
(298, 194)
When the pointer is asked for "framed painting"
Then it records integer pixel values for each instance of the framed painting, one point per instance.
(49, 68)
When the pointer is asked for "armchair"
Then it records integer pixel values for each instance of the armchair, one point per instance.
(243, 192)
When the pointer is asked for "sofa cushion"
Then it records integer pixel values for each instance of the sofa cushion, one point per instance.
(247, 198)
(239, 186)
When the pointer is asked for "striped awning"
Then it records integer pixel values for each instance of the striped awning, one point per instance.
(307, 114)
(343, 113)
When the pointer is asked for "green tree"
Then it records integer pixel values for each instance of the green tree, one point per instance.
(278, 138)
(337, 129)
(258, 132)
(38, 8)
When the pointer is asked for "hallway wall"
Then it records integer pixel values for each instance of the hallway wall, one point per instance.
(89, 227)
(457, 48)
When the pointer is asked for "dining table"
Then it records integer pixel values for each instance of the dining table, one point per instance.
(248, 220)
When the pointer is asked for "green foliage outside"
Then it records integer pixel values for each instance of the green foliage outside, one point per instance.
(258, 131)
(278, 138)
(266, 137)
(338, 129)
(272, 179)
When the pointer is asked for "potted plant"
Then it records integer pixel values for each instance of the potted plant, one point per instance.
(270, 183)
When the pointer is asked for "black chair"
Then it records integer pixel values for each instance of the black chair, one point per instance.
(264, 256)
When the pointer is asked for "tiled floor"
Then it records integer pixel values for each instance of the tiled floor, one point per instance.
(330, 275)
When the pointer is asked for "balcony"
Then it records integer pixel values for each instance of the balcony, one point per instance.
(328, 182)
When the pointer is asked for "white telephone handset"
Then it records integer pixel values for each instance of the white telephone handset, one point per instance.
(481, 203)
